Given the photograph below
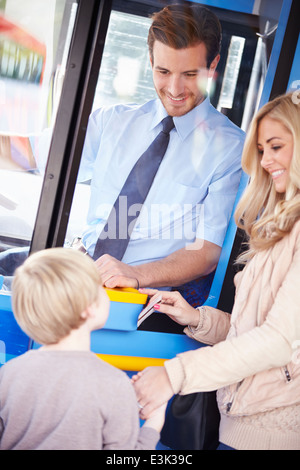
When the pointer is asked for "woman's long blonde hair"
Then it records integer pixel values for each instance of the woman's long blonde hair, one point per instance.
(266, 215)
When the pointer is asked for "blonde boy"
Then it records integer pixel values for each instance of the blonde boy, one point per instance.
(61, 396)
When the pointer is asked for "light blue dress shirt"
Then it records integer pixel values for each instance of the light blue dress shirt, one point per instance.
(194, 189)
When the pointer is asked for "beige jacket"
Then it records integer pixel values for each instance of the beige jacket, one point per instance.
(257, 368)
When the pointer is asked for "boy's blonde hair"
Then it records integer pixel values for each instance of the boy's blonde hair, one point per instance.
(51, 290)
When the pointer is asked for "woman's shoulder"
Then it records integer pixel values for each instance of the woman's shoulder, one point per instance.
(297, 226)
(295, 232)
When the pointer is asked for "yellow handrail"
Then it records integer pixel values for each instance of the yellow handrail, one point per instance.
(131, 363)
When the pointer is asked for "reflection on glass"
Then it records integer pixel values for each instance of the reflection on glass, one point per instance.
(34, 43)
(125, 74)
(32, 63)
(232, 69)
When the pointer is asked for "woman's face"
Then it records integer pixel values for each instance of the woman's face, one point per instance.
(275, 145)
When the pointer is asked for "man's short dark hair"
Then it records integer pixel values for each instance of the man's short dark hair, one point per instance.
(182, 26)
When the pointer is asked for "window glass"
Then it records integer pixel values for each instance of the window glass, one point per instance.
(34, 43)
(232, 69)
(125, 77)
(125, 74)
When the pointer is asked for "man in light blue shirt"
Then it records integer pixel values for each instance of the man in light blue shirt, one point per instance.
(179, 232)
(193, 191)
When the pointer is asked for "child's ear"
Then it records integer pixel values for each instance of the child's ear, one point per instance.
(83, 315)
(87, 313)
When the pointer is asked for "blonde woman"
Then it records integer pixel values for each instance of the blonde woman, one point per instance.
(254, 361)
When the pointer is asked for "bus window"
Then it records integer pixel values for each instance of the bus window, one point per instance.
(125, 76)
(34, 43)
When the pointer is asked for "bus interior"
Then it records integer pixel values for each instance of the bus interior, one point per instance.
(55, 68)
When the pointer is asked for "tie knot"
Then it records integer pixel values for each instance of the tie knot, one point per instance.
(168, 124)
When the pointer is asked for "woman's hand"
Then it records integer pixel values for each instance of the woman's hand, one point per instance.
(175, 306)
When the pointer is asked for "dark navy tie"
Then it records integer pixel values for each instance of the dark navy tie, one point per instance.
(115, 236)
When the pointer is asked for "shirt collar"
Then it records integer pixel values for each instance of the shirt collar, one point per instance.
(184, 124)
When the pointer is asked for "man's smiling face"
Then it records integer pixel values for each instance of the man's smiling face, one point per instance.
(180, 76)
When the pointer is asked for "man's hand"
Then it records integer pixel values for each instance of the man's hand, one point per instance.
(181, 266)
(114, 273)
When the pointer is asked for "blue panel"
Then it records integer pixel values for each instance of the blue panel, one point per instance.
(123, 316)
(5, 302)
(276, 49)
(217, 284)
(141, 343)
(126, 343)
(244, 6)
(13, 341)
(294, 81)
